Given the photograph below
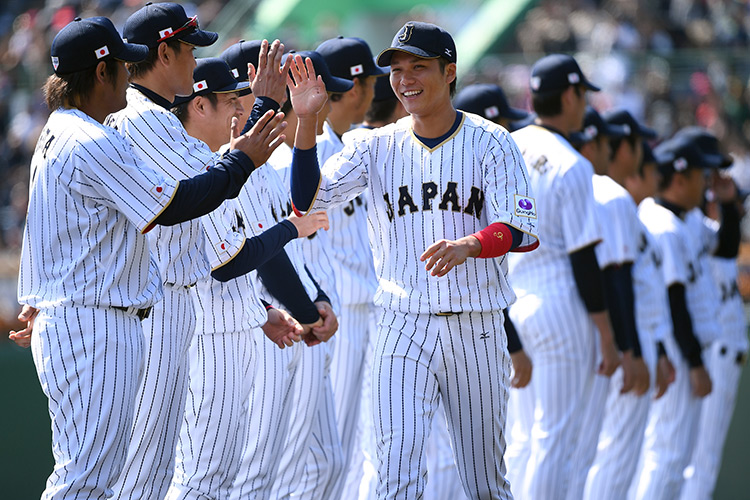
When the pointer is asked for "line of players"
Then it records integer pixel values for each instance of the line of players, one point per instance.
(194, 436)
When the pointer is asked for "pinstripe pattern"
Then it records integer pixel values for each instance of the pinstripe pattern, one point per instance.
(210, 442)
(670, 434)
(395, 166)
(150, 464)
(715, 416)
(443, 482)
(421, 359)
(90, 380)
(553, 324)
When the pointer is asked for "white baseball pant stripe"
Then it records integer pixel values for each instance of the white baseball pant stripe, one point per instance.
(716, 415)
(620, 439)
(271, 411)
(89, 363)
(443, 482)
(347, 363)
(160, 402)
(462, 360)
(209, 448)
(670, 434)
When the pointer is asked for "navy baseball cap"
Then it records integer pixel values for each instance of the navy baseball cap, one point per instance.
(595, 126)
(84, 42)
(632, 126)
(349, 57)
(333, 84)
(680, 153)
(383, 90)
(157, 22)
(213, 76)
(238, 56)
(706, 142)
(422, 40)
(487, 100)
(557, 72)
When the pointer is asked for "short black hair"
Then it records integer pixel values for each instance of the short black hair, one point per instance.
(381, 111)
(73, 89)
(615, 142)
(181, 110)
(550, 103)
(337, 97)
(443, 63)
(137, 70)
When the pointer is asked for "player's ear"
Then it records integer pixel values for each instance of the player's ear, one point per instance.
(163, 52)
(101, 73)
(450, 72)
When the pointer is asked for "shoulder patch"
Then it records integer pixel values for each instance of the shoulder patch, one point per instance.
(524, 206)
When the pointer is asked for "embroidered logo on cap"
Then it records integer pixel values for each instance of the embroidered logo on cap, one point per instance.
(448, 53)
(491, 112)
(55, 62)
(102, 52)
(356, 70)
(626, 129)
(165, 33)
(574, 78)
(680, 164)
(536, 82)
(406, 33)
(525, 206)
(590, 132)
(201, 85)
(235, 73)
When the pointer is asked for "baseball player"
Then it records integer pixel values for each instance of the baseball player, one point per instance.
(725, 357)
(229, 315)
(489, 102)
(560, 302)
(672, 421)
(85, 266)
(348, 242)
(161, 142)
(291, 395)
(453, 187)
(607, 460)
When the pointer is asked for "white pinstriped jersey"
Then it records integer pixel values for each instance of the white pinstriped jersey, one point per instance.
(420, 195)
(234, 305)
(561, 179)
(349, 243)
(89, 199)
(722, 274)
(163, 145)
(651, 302)
(619, 222)
(681, 265)
(322, 267)
(264, 203)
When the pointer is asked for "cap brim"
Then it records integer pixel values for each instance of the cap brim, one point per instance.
(613, 130)
(384, 58)
(235, 87)
(727, 161)
(713, 161)
(590, 86)
(647, 133)
(200, 38)
(338, 85)
(577, 139)
(132, 53)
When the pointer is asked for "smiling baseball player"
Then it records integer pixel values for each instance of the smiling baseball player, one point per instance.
(441, 296)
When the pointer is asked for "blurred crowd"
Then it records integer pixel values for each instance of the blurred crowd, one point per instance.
(671, 62)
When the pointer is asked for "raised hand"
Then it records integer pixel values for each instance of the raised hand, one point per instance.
(261, 140)
(308, 224)
(269, 79)
(307, 91)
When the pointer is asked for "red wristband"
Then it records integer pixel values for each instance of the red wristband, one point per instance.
(496, 240)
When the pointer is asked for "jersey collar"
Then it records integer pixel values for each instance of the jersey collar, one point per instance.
(158, 100)
(675, 209)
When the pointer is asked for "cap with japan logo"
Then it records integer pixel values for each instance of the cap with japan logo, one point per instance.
(349, 57)
(680, 153)
(213, 76)
(557, 72)
(488, 101)
(84, 42)
(238, 56)
(423, 40)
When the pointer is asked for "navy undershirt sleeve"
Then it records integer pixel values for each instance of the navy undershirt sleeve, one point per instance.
(682, 326)
(305, 177)
(256, 251)
(517, 237)
(261, 105)
(282, 281)
(514, 341)
(729, 232)
(588, 278)
(618, 286)
(321, 296)
(203, 193)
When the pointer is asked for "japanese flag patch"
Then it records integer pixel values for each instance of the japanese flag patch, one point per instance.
(524, 206)
(201, 85)
(158, 190)
(102, 52)
(222, 247)
(357, 70)
(55, 62)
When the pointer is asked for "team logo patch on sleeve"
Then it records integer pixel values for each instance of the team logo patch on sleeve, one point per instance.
(524, 206)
